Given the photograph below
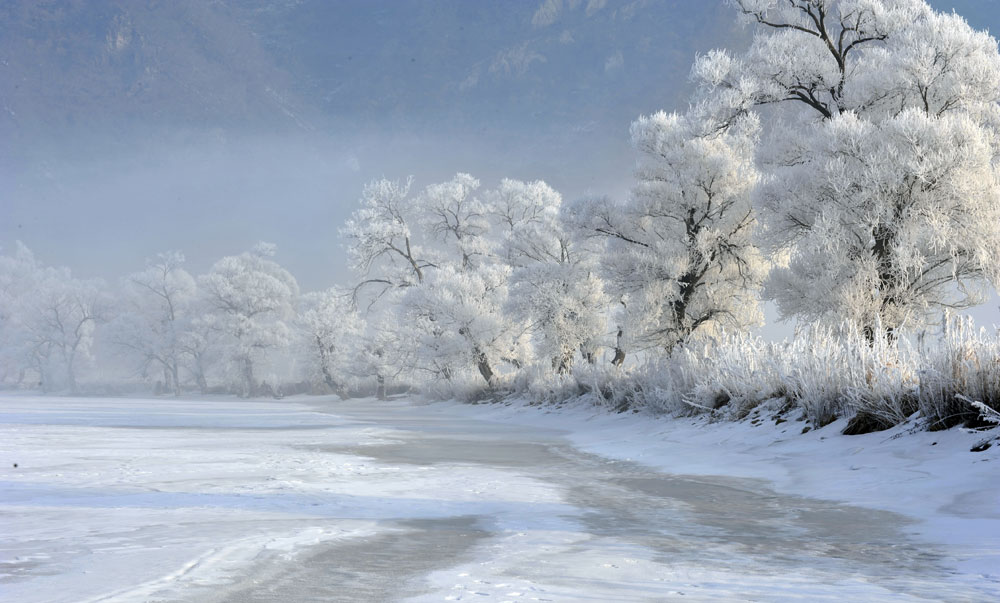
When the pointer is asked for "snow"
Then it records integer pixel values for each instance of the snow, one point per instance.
(167, 499)
(173, 493)
(951, 493)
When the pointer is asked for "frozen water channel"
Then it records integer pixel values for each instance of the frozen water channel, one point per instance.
(223, 500)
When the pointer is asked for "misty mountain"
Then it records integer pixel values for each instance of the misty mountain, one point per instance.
(83, 66)
(304, 65)
(307, 64)
(470, 62)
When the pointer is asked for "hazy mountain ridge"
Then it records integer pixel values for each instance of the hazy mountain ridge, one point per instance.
(79, 66)
(239, 64)
(470, 62)
(294, 65)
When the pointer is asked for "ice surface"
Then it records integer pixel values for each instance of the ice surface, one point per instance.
(314, 499)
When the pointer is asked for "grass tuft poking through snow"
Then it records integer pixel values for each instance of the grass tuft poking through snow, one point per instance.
(949, 378)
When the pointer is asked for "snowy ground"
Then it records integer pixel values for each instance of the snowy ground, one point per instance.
(313, 499)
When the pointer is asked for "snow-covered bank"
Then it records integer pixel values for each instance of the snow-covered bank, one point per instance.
(932, 477)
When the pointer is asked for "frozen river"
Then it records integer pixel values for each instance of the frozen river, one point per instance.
(319, 500)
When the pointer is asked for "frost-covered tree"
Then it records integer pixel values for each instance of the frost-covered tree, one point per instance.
(554, 285)
(382, 356)
(59, 319)
(383, 241)
(887, 221)
(156, 315)
(680, 256)
(460, 323)
(251, 299)
(203, 344)
(457, 219)
(880, 164)
(19, 275)
(872, 57)
(48, 321)
(460, 308)
(433, 256)
(332, 330)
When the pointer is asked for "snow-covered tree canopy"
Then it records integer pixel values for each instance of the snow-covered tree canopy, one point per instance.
(886, 221)
(554, 286)
(871, 57)
(48, 320)
(381, 243)
(59, 322)
(880, 165)
(156, 315)
(333, 333)
(456, 218)
(476, 274)
(251, 299)
(680, 256)
(459, 312)
(19, 274)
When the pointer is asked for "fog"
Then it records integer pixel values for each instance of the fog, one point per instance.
(160, 134)
(135, 129)
(102, 214)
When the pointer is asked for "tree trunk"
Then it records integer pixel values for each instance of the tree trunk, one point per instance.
(324, 361)
(168, 380)
(70, 375)
(247, 385)
(175, 374)
(562, 364)
(198, 368)
(329, 380)
(483, 364)
(885, 240)
(202, 382)
(619, 358)
(44, 382)
(872, 332)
